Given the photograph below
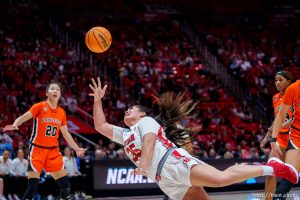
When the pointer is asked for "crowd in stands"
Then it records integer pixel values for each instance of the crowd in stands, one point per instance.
(144, 66)
(140, 67)
(253, 50)
(143, 62)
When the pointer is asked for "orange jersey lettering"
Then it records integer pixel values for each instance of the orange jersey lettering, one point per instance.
(46, 124)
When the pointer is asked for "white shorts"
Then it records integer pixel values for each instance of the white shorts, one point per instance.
(175, 175)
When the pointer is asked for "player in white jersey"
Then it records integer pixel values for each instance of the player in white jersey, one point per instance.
(177, 173)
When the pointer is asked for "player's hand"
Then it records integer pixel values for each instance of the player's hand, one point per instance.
(10, 128)
(80, 152)
(138, 171)
(263, 142)
(276, 150)
(99, 92)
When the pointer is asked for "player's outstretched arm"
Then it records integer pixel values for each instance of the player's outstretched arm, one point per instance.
(19, 121)
(66, 134)
(100, 123)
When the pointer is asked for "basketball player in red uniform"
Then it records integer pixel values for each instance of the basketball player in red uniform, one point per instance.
(282, 80)
(48, 120)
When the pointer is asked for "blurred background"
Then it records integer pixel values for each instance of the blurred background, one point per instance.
(222, 53)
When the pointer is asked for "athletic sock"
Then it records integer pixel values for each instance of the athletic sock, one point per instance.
(268, 171)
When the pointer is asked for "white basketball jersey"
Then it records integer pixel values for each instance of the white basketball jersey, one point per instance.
(132, 140)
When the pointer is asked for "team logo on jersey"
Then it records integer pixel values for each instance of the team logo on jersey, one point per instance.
(45, 108)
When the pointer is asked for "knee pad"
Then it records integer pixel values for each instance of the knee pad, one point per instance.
(65, 187)
(33, 184)
(284, 187)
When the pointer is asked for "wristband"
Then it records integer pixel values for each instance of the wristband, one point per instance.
(272, 139)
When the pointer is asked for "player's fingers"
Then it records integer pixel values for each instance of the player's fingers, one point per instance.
(99, 82)
(92, 94)
(104, 89)
(92, 88)
(94, 83)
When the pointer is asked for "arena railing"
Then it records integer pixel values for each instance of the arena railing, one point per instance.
(230, 82)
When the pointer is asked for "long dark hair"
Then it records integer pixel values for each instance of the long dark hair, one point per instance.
(170, 109)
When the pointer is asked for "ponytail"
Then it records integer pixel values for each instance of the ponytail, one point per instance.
(172, 108)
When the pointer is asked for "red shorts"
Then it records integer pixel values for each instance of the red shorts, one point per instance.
(50, 160)
(283, 140)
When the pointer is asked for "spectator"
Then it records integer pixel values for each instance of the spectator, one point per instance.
(213, 155)
(75, 176)
(19, 165)
(121, 154)
(5, 165)
(19, 172)
(111, 152)
(70, 163)
(100, 154)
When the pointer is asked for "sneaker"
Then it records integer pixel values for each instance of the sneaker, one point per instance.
(16, 197)
(76, 196)
(2, 197)
(283, 170)
(83, 196)
(9, 197)
(50, 197)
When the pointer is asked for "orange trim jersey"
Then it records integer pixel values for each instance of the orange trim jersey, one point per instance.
(277, 99)
(292, 98)
(46, 124)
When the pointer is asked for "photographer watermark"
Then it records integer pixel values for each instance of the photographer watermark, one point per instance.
(270, 195)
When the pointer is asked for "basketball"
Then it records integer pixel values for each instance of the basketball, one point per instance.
(98, 39)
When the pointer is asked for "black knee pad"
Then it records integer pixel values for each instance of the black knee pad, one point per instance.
(33, 184)
(65, 187)
(284, 187)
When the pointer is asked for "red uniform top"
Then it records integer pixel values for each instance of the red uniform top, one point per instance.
(277, 99)
(46, 124)
(292, 98)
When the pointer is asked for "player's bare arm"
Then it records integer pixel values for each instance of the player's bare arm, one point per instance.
(100, 123)
(66, 134)
(149, 141)
(277, 126)
(19, 121)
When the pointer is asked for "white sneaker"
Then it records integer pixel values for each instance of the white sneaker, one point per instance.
(76, 196)
(9, 197)
(2, 197)
(50, 197)
(84, 196)
(16, 197)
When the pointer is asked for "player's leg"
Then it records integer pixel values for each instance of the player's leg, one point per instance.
(33, 184)
(284, 187)
(206, 175)
(35, 167)
(196, 193)
(55, 165)
(270, 184)
(293, 158)
(62, 180)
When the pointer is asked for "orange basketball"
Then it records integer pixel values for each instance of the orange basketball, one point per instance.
(98, 39)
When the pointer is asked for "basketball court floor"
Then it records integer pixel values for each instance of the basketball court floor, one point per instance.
(243, 195)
